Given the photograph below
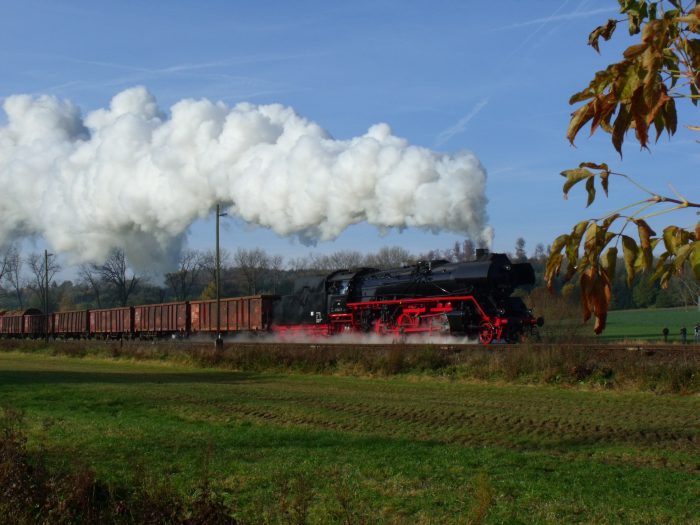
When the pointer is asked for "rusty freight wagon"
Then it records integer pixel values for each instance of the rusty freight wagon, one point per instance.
(112, 323)
(37, 325)
(71, 324)
(12, 322)
(238, 314)
(161, 320)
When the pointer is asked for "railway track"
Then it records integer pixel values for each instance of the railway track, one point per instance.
(232, 345)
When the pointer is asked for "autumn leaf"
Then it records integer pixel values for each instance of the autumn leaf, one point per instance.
(573, 177)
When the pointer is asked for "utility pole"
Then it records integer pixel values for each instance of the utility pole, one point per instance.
(219, 340)
(46, 293)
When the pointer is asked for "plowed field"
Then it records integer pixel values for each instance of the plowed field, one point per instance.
(401, 450)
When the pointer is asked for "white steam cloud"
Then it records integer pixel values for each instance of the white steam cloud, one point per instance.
(132, 177)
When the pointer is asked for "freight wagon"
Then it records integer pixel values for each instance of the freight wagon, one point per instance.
(14, 324)
(239, 314)
(73, 324)
(111, 323)
(160, 320)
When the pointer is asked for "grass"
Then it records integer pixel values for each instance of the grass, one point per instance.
(647, 324)
(304, 448)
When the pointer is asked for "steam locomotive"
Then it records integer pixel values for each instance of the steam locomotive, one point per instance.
(438, 297)
(472, 299)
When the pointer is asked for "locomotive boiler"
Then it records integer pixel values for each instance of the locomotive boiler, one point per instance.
(471, 299)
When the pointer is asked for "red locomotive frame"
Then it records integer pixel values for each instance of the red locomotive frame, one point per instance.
(424, 316)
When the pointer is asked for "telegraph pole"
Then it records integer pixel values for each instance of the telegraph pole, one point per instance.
(219, 340)
(46, 293)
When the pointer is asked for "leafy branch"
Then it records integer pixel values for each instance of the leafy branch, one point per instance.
(637, 93)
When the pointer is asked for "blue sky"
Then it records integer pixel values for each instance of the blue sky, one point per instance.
(490, 77)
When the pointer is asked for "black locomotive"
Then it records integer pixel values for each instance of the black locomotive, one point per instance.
(432, 297)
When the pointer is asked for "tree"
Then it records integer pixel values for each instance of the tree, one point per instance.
(252, 264)
(520, 253)
(115, 271)
(468, 250)
(639, 92)
(92, 276)
(13, 273)
(389, 257)
(276, 268)
(42, 268)
(208, 261)
(540, 253)
(5, 256)
(182, 280)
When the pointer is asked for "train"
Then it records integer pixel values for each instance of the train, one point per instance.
(471, 299)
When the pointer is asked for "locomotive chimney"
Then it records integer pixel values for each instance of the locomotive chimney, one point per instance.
(482, 253)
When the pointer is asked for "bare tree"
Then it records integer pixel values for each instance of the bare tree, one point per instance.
(5, 260)
(43, 269)
(252, 264)
(342, 259)
(13, 273)
(345, 259)
(115, 271)
(468, 250)
(208, 261)
(182, 280)
(92, 276)
(299, 264)
(520, 254)
(540, 254)
(276, 266)
(388, 257)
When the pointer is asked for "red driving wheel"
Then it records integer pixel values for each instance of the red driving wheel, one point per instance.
(486, 332)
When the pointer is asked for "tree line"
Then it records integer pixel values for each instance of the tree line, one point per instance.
(255, 271)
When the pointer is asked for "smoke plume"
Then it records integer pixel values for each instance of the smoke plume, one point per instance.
(134, 177)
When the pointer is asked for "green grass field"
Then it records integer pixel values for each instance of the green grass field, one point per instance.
(648, 323)
(363, 450)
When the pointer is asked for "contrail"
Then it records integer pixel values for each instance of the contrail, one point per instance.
(461, 124)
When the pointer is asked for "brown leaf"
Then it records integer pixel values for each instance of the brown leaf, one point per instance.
(578, 120)
(606, 31)
(670, 116)
(603, 107)
(553, 268)
(670, 237)
(573, 177)
(586, 287)
(645, 234)
(595, 166)
(639, 114)
(602, 296)
(559, 243)
(634, 51)
(590, 188)
(609, 262)
(620, 127)
(694, 259)
(629, 252)
(682, 255)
